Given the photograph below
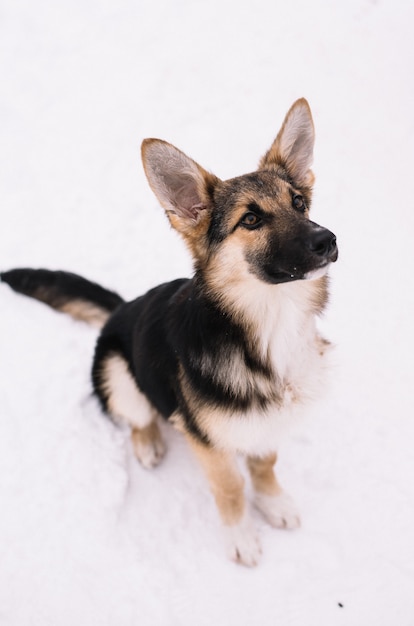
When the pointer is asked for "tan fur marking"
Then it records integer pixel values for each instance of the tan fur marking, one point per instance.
(193, 233)
(126, 402)
(85, 312)
(263, 475)
(226, 482)
(275, 199)
(148, 444)
(276, 506)
(146, 435)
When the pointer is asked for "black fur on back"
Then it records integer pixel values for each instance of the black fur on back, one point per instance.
(172, 329)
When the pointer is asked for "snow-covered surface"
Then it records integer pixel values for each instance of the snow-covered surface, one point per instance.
(86, 535)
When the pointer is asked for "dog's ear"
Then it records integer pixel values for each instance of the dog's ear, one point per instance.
(293, 146)
(182, 186)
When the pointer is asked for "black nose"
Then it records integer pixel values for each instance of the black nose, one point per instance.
(323, 243)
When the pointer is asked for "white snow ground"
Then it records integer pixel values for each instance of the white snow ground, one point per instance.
(86, 535)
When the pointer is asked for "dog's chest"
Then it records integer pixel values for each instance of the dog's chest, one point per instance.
(257, 430)
(288, 339)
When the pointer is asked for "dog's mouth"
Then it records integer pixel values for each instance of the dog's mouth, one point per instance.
(284, 277)
(322, 268)
(317, 271)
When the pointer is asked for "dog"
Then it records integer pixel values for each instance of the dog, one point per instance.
(228, 355)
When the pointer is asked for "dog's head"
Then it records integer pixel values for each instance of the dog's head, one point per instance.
(258, 222)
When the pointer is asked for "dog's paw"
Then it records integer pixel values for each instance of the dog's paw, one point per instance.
(243, 544)
(280, 511)
(149, 452)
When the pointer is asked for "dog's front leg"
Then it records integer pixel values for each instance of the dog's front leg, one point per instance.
(227, 486)
(276, 505)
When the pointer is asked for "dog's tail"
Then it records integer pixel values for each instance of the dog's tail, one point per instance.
(65, 292)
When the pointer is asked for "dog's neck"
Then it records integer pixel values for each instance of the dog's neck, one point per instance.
(277, 320)
(285, 323)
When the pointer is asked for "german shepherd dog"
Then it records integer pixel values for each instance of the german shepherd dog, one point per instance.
(229, 354)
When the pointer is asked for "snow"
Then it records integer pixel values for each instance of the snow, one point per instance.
(87, 536)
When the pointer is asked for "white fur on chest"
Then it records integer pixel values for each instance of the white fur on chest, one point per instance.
(259, 432)
(286, 335)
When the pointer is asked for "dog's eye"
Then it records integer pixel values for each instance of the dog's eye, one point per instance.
(299, 203)
(250, 220)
